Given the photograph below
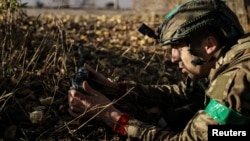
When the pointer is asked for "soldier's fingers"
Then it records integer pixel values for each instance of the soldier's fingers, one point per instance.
(74, 114)
(86, 66)
(89, 90)
(72, 93)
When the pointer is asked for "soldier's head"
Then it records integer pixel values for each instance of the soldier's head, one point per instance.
(197, 32)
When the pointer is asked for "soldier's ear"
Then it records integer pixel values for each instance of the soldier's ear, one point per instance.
(211, 44)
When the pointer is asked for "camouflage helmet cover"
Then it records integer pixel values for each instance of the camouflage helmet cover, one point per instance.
(196, 14)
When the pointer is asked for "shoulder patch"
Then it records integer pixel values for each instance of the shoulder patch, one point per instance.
(220, 86)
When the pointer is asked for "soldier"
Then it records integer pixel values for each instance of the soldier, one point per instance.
(210, 46)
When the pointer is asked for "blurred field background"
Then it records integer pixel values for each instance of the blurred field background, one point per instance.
(39, 56)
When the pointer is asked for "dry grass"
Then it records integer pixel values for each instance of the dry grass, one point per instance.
(38, 58)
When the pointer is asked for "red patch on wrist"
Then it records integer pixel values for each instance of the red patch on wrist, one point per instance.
(120, 126)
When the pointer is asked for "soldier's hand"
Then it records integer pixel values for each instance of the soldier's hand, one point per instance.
(100, 77)
(92, 104)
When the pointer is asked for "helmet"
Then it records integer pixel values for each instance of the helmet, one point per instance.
(194, 15)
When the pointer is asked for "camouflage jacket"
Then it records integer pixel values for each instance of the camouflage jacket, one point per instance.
(228, 83)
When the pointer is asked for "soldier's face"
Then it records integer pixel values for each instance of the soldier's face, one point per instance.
(181, 54)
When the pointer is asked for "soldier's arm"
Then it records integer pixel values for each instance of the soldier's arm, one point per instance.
(165, 95)
(196, 129)
(236, 89)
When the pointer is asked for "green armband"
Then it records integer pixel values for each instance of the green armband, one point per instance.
(225, 115)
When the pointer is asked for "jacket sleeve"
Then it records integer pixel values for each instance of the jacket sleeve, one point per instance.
(196, 129)
(160, 95)
(173, 105)
(235, 95)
